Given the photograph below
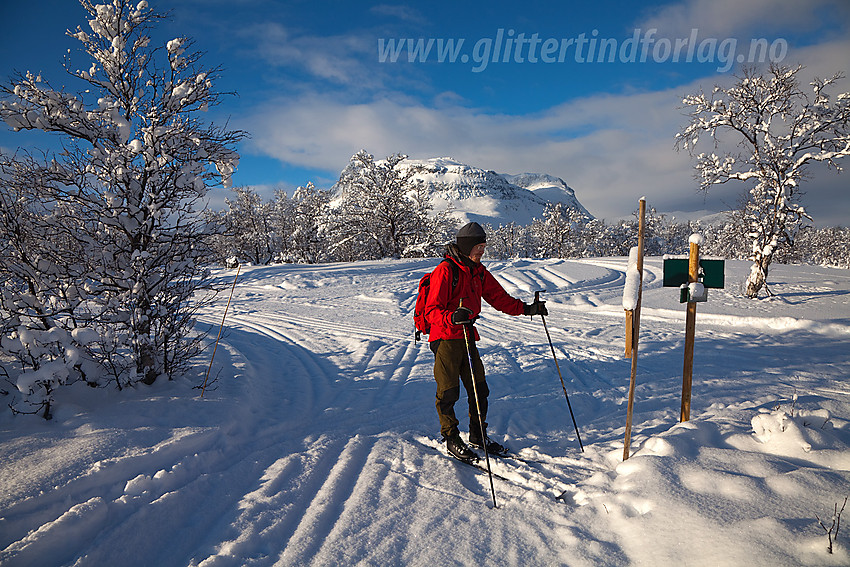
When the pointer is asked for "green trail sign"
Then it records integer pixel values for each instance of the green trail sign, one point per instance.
(711, 272)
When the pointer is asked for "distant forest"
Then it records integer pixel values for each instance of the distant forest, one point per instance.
(314, 225)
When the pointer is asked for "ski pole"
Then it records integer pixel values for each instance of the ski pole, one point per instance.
(238, 267)
(551, 346)
(478, 408)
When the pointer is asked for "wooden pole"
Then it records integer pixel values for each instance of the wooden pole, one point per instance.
(690, 331)
(204, 389)
(635, 331)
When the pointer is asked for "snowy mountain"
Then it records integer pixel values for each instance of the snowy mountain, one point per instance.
(489, 197)
(552, 189)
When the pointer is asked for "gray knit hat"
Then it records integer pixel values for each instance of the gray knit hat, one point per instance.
(469, 235)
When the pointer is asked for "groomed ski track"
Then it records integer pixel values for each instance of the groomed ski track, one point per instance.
(307, 449)
(363, 392)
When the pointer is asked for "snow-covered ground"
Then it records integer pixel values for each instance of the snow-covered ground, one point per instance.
(315, 445)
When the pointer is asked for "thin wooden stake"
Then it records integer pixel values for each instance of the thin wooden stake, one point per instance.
(635, 331)
(690, 331)
(238, 267)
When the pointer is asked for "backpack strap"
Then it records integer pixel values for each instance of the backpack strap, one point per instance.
(455, 272)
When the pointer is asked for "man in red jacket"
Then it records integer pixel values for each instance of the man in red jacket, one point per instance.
(454, 302)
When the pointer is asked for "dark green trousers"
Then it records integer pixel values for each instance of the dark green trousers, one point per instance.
(451, 368)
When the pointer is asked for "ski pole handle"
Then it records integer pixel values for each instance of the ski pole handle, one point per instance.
(537, 299)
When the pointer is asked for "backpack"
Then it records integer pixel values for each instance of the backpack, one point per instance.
(419, 322)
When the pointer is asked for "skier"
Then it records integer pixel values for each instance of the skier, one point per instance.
(454, 301)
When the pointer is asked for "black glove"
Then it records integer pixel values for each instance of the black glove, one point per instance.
(462, 316)
(536, 308)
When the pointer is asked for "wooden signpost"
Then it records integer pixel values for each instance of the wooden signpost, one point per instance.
(633, 326)
(690, 331)
(693, 277)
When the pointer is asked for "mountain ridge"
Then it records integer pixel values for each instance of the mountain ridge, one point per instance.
(488, 197)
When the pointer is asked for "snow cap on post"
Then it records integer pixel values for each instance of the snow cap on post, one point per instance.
(696, 239)
(633, 256)
(469, 236)
(631, 291)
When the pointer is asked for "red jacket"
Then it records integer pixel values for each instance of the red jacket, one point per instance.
(474, 283)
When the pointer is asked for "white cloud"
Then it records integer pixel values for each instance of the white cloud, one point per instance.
(337, 59)
(611, 149)
(733, 18)
(399, 11)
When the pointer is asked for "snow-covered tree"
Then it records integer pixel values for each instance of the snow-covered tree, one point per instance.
(247, 226)
(780, 129)
(124, 190)
(557, 233)
(828, 246)
(378, 212)
(283, 229)
(283, 224)
(728, 239)
(42, 266)
(430, 231)
(508, 241)
(309, 208)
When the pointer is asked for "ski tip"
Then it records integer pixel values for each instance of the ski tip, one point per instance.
(469, 461)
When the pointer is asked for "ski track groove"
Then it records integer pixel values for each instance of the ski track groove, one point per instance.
(373, 374)
(34, 520)
(371, 377)
(334, 328)
(119, 514)
(381, 379)
(560, 283)
(271, 513)
(316, 387)
(332, 492)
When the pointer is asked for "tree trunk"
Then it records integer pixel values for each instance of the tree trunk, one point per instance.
(146, 362)
(758, 275)
(146, 365)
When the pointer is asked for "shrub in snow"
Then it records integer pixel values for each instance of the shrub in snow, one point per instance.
(780, 428)
(106, 235)
(832, 530)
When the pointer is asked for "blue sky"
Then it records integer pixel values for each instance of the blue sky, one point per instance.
(312, 89)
